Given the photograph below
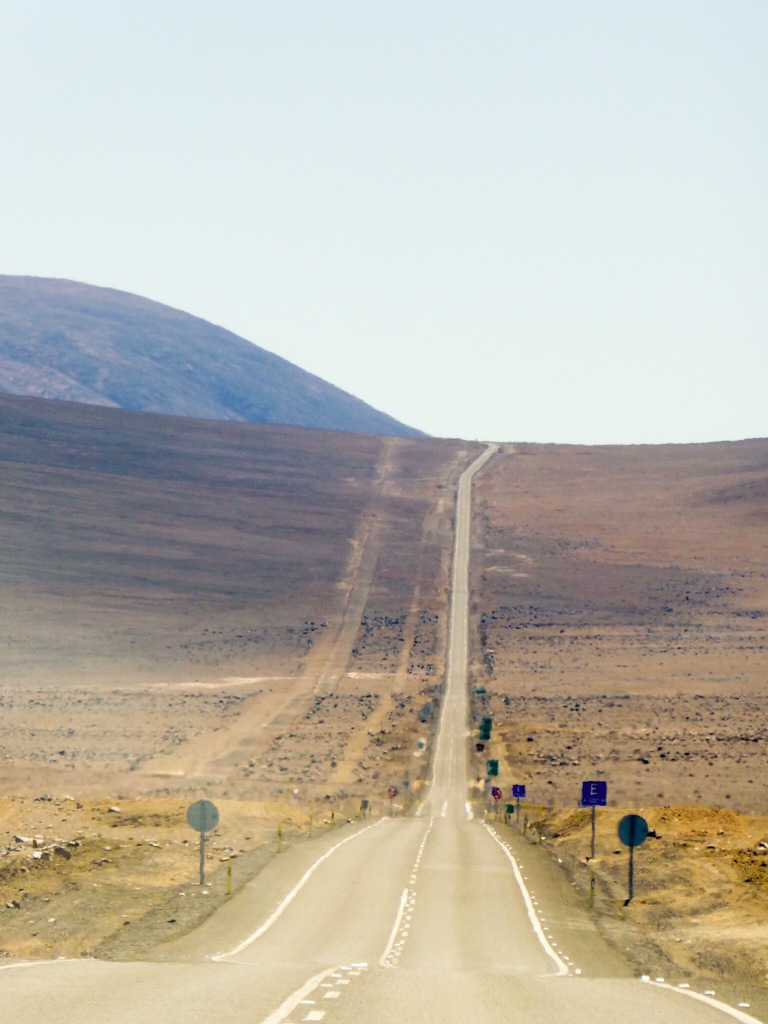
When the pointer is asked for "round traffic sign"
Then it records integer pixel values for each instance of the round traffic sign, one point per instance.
(392, 792)
(633, 830)
(202, 816)
(496, 793)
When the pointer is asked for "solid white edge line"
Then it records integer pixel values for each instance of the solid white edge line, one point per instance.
(291, 895)
(46, 963)
(296, 997)
(395, 929)
(562, 968)
(739, 1015)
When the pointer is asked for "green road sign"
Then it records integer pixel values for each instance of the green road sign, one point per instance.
(491, 767)
(486, 723)
(510, 808)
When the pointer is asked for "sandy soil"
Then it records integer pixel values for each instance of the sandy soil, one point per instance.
(698, 912)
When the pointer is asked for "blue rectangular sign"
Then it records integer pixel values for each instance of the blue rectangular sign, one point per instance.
(594, 794)
(518, 791)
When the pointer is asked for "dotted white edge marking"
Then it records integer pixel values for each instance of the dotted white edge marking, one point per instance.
(384, 958)
(562, 968)
(739, 1015)
(297, 998)
(401, 925)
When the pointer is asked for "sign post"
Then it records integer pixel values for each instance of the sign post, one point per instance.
(518, 792)
(594, 794)
(202, 816)
(633, 830)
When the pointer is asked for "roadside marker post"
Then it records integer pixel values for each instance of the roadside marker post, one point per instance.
(391, 793)
(202, 816)
(594, 794)
(633, 830)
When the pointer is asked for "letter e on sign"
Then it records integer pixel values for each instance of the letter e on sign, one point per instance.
(594, 794)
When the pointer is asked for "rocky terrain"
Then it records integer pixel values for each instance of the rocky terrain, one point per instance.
(621, 620)
(257, 614)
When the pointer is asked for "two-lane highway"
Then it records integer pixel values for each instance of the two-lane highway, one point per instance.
(436, 918)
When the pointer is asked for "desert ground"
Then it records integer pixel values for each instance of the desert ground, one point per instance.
(256, 615)
(621, 600)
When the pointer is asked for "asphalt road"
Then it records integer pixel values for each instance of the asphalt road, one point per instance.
(432, 918)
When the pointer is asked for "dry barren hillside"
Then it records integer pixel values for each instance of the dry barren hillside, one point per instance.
(621, 619)
(257, 614)
(173, 588)
(67, 340)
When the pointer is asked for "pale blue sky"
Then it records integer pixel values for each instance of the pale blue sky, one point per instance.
(542, 221)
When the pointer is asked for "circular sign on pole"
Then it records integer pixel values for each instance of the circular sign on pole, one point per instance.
(202, 816)
(392, 792)
(496, 793)
(633, 830)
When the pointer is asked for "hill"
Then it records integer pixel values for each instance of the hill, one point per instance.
(64, 340)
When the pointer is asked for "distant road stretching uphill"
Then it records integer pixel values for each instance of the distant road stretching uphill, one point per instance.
(433, 918)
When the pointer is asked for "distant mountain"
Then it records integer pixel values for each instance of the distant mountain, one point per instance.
(64, 340)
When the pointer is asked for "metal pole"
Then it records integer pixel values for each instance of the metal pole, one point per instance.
(592, 854)
(631, 858)
(202, 856)
(631, 873)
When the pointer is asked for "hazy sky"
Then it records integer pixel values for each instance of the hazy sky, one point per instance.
(542, 221)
